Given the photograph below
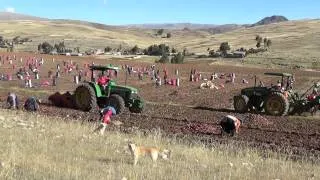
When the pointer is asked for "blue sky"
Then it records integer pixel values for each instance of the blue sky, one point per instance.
(116, 12)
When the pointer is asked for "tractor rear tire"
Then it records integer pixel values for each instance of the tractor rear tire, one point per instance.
(240, 103)
(277, 104)
(117, 102)
(85, 98)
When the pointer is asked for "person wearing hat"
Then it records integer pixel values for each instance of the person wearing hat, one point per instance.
(106, 114)
(230, 125)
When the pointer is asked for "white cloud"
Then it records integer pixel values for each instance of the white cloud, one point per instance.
(10, 9)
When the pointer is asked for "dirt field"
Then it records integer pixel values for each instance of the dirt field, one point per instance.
(188, 110)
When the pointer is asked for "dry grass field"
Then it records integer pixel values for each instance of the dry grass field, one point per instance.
(39, 147)
(294, 42)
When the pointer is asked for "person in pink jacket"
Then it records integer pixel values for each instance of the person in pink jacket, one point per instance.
(106, 114)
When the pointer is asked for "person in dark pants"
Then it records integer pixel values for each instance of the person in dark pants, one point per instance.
(32, 104)
(106, 114)
(12, 101)
(230, 125)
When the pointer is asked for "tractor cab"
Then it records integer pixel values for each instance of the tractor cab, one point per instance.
(106, 71)
(283, 84)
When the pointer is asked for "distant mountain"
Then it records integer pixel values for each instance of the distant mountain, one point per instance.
(212, 28)
(8, 16)
(224, 28)
(172, 26)
(270, 20)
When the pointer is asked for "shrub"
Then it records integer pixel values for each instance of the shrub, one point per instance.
(224, 47)
(45, 47)
(157, 50)
(164, 58)
(177, 59)
(107, 49)
(160, 32)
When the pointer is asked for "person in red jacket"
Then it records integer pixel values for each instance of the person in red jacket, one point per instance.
(106, 114)
(103, 81)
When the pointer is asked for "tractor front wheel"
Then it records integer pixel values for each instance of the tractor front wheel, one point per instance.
(85, 98)
(117, 102)
(240, 103)
(277, 104)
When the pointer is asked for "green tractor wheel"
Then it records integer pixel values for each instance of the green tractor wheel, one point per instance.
(117, 102)
(85, 98)
(240, 103)
(277, 104)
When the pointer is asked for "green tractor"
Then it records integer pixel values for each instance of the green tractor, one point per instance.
(277, 100)
(89, 95)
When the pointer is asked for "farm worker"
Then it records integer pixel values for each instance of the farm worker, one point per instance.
(313, 95)
(140, 75)
(233, 77)
(158, 81)
(12, 101)
(106, 114)
(58, 67)
(230, 125)
(165, 77)
(103, 81)
(32, 104)
(279, 85)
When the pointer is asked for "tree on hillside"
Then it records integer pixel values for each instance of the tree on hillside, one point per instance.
(258, 45)
(224, 47)
(120, 48)
(135, 49)
(107, 49)
(77, 49)
(45, 47)
(16, 39)
(212, 52)
(173, 50)
(269, 43)
(177, 59)
(259, 41)
(157, 50)
(160, 32)
(164, 58)
(169, 35)
(61, 48)
(265, 40)
(258, 38)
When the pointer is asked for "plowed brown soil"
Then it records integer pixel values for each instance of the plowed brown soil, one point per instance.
(188, 110)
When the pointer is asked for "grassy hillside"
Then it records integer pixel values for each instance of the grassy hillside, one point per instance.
(38, 147)
(294, 41)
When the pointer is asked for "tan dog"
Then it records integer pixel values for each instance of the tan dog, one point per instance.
(154, 153)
